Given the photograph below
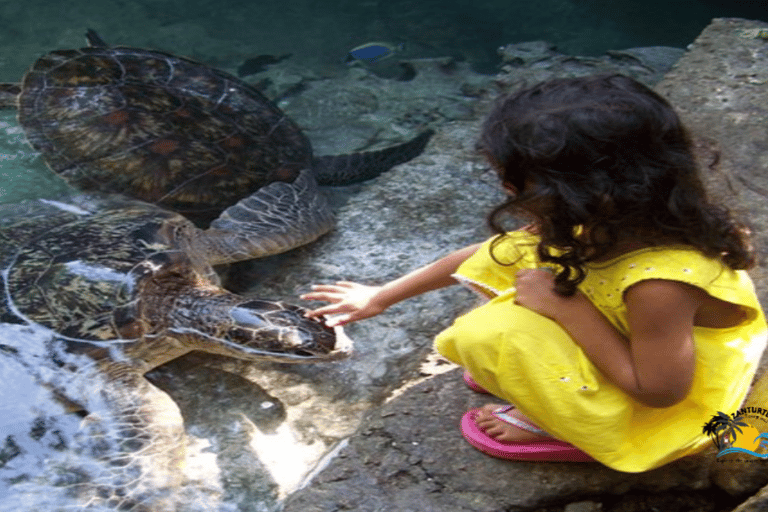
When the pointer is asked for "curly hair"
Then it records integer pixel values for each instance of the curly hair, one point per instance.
(601, 160)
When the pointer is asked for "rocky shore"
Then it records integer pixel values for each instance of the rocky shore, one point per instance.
(408, 454)
(379, 432)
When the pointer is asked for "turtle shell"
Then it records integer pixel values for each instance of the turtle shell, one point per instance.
(157, 127)
(81, 279)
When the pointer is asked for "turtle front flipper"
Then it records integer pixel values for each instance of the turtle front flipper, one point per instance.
(358, 167)
(274, 219)
(8, 95)
(137, 431)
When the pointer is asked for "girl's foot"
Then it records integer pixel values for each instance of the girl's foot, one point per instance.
(506, 424)
(471, 384)
(505, 433)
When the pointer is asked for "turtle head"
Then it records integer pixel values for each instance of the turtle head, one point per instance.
(281, 332)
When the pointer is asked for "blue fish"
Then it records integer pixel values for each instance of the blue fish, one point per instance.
(372, 52)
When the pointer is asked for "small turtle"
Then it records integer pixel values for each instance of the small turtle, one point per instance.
(170, 131)
(124, 286)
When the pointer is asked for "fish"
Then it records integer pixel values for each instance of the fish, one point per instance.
(259, 63)
(373, 52)
(755, 33)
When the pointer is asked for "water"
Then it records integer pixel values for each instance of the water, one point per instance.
(225, 33)
(318, 35)
(23, 174)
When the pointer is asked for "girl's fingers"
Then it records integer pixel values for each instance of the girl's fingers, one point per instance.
(338, 286)
(329, 291)
(327, 288)
(324, 296)
(331, 309)
(347, 284)
(337, 320)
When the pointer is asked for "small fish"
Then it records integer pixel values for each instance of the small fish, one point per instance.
(259, 64)
(755, 33)
(373, 52)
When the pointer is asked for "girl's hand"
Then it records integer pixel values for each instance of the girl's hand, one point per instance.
(536, 291)
(349, 301)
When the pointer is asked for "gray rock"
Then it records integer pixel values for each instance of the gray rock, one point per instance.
(409, 455)
(583, 506)
(533, 62)
(720, 89)
(659, 58)
(528, 53)
(757, 503)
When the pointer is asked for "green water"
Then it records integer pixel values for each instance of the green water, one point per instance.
(23, 174)
(318, 35)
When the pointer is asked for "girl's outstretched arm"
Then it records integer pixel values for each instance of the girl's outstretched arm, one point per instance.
(353, 301)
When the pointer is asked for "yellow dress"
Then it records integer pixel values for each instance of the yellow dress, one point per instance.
(530, 361)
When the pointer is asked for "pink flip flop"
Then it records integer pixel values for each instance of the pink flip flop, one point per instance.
(471, 384)
(551, 450)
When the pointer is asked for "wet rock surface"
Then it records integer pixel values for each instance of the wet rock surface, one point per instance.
(409, 455)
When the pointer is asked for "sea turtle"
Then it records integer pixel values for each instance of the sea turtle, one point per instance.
(170, 131)
(124, 286)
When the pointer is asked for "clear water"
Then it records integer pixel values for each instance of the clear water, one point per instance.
(23, 173)
(318, 36)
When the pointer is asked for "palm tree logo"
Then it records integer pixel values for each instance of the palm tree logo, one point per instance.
(722, 428)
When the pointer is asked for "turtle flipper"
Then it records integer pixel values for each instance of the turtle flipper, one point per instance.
(357, 167)
(141, 432)
(94, 39)
(274, 219)
(8, 95)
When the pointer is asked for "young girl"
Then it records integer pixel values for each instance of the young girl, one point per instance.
(621, 319)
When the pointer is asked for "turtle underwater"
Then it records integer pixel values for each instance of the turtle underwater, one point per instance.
(121, 275)
(170, 131)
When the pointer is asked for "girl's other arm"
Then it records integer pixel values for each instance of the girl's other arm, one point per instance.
(655, 365)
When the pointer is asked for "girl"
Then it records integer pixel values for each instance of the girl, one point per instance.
(621, 319)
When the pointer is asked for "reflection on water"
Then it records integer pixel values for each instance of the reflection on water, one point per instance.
(55, 460)
(23, 174)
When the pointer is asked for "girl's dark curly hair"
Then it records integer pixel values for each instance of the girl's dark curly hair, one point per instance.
(598, 161)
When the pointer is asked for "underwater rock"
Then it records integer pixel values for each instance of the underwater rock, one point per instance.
(525, 54)
(537, 61)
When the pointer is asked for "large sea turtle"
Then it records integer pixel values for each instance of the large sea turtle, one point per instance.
(123, 286)
(169, 130)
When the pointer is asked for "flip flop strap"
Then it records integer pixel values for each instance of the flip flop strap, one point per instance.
(502, 414)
